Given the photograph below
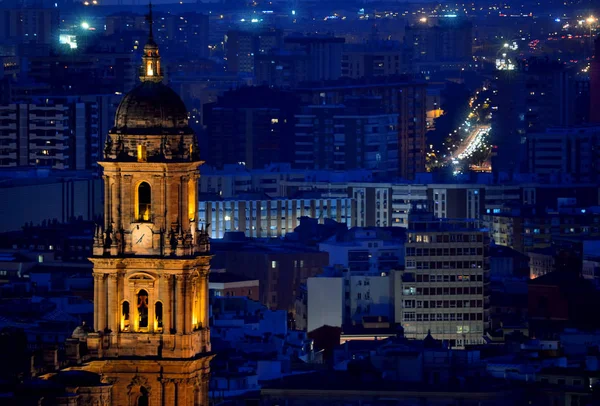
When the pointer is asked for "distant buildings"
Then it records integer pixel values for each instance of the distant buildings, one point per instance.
(56, 132)
(355, 135)
(446, 45)
(265, 217)
(30, 26)
(400, 96)
(445, 284)
(568, 152)
(252, 125)
(379, 59)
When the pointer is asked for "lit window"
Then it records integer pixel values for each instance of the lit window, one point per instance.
(273, 264)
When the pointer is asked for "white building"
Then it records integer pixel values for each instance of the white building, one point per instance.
(365, 250)
(270, 218)
(343, 298)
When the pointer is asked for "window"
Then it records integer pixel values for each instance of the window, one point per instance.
(158, 314)
(142, 306)
(124, 316)
(142, 155)
(144, 202)
(273, 264)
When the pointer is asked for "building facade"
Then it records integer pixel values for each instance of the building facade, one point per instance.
(445, 287)
(270, 218)
(150, 337)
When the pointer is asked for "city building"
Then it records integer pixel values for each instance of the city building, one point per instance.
(400, 95)
(37, 195)
(252, 125)
(570, 153)
(30, 25)
(280, 268)
(324, 55)
(227, 284)
(445, 287)
(365, 249)
(243, 46)
(58, 132)
(345, 298)
(355, 135)
(537, 95)
(437, 46)
(380, 59)
(259, 216)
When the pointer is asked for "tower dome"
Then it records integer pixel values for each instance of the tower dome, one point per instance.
(151, 107)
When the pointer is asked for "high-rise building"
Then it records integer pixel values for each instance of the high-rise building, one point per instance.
(444, 289)
(570, 153)
(363, 60)
(595, 84)
(448, 42)
(536, 96)
(324, 55)
(55, 132)
(355, 135)
(29, 25)
(150, 337)
(243, 46)
(253, 125)
(400, 95)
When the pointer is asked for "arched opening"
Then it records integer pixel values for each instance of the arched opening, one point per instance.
(144, 202)
(143, 399)
(142, 153)
(192, 199)
(142, 306)
(158, 313)
(125, 316)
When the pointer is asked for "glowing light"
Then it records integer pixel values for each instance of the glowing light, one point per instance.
(293, 12)
(506, 45)
(423, 19)
(591, 19)
(85, 25)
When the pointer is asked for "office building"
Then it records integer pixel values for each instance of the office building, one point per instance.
(444, 289)
(263, 217)
(355, 135)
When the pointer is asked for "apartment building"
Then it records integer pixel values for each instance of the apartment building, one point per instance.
(444, 288)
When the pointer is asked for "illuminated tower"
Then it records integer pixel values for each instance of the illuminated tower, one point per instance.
(151, 265)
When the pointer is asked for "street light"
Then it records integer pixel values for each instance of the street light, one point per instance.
(85, 25)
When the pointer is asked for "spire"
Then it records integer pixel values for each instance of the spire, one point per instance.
(150, 23)
(151, 70)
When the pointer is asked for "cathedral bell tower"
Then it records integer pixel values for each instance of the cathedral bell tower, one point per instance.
(151, 262)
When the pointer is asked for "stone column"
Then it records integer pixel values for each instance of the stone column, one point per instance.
(112, 302)
(152, 298)
(96, 304)
(101, 302)
(107, 197)
(179, 303)
(166, 292)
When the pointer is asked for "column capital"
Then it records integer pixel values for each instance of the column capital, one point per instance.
(113, 276)
(98, 275)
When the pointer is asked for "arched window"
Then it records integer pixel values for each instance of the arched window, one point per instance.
(125, 316)
(192, 199)
(144, 202)
(142, 306)
(143, 399)
(158, 312)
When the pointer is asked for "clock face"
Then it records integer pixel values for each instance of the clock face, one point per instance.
(141, 237)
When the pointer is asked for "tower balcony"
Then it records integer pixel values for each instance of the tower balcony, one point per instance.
(148, 345)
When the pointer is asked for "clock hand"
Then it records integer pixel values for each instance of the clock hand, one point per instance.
(140, 240)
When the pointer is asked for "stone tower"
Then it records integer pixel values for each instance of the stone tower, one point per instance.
(151, 338)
